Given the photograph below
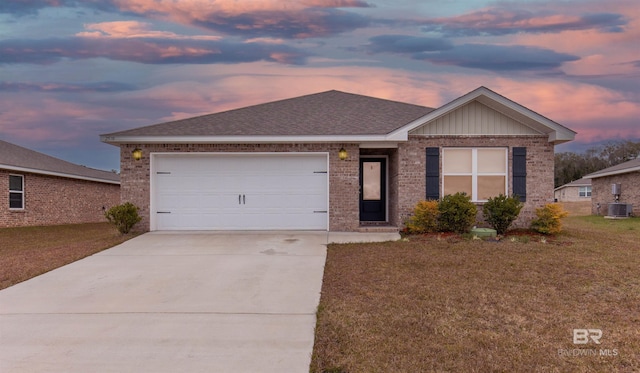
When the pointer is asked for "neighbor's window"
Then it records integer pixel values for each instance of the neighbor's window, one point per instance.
(585, 191)
(479, 172)
(16, 192)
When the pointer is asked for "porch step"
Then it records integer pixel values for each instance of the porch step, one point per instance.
(378, 229)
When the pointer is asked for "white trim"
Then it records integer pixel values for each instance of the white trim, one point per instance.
(58, 174)
(474, 170)
(557, 133)
(153, 159)
(612, 173)
(17, 191)
(240, 139)
(386, 186)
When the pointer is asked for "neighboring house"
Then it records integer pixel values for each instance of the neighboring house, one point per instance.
(576, 191)
(335, 161)
(626, 174)
(43, 190)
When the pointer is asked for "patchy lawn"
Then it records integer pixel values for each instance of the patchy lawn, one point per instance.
(449, 304)
(31, 251)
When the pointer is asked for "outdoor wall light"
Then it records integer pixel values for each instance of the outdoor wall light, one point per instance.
(137, 154)
(342, 154)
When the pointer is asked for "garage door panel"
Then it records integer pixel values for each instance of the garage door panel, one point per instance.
(207, 191)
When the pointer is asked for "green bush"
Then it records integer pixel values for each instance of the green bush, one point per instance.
(424, 218)
(501, 211)
(124, 217)
(457, 213)
(549, 219)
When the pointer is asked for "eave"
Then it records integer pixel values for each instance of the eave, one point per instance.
(57, 174)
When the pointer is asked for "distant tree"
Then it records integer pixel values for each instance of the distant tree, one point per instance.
(573, 166)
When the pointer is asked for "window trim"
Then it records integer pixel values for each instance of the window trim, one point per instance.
(474, 169)
(21, 192)
(584, 191)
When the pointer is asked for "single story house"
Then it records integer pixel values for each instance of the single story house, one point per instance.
(42, 190)
(335, 161)
(627, 175)
(575, 191)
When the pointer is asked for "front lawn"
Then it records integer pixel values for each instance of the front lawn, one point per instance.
(451, 304)
(27, 252)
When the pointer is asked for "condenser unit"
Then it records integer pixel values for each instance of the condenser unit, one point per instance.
(620, 210)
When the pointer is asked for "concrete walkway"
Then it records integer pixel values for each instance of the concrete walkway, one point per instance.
(173, 302)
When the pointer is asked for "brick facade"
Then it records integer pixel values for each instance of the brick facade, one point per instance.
(51, 200)
(344, 189)
(406, 173)
(601, 192)
(570, 194)
(540, 170)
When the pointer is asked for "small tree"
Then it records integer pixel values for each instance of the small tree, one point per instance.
(424, 218)
(501, 211)
(549, 220)
(124, 216)
(457, 213)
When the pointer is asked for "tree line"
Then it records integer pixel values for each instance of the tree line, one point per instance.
(573, 166)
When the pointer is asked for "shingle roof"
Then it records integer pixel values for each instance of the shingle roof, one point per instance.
(622, 168)
(321, 114)
(576, 183)
(14, 157)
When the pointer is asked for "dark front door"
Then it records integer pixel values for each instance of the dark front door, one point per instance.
(373, 190)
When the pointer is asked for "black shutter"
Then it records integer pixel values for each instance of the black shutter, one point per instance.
(520, 173)
(433, 173)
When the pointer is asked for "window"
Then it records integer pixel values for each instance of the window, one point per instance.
(585, 191)
(479, 172)
(16, 192)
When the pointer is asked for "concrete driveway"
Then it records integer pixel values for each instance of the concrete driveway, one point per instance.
(171, 302)
(174, 302)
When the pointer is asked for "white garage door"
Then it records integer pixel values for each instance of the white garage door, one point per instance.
(239, 191)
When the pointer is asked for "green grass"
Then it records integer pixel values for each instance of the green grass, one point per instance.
(448, 304)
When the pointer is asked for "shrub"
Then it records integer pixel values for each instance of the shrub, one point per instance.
(124, 217)
(457, 213)
(549, 220)
(424, 218)
(501, 211)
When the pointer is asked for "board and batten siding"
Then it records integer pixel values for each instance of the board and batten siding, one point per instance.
(474, 118)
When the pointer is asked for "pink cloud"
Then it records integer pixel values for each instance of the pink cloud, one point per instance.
(595, 112)
(133, 29)
(274, 18)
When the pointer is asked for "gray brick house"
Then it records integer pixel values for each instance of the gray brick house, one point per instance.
(42, 190)
(334, 161)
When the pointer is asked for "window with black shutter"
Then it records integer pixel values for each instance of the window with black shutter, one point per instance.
(433, 173)
(520, 173)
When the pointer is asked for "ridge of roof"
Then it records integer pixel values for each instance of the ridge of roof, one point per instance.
(319, 114)
(17, 158)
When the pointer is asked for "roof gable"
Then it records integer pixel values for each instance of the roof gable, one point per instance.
(17, 158)
(520, 114)
(335, 116)
(474, 118)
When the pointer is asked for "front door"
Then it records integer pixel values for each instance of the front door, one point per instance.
(373, 191)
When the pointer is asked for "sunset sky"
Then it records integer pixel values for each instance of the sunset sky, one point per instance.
(73, 69)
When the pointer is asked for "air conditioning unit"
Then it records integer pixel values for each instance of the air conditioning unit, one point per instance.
(620, 210)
